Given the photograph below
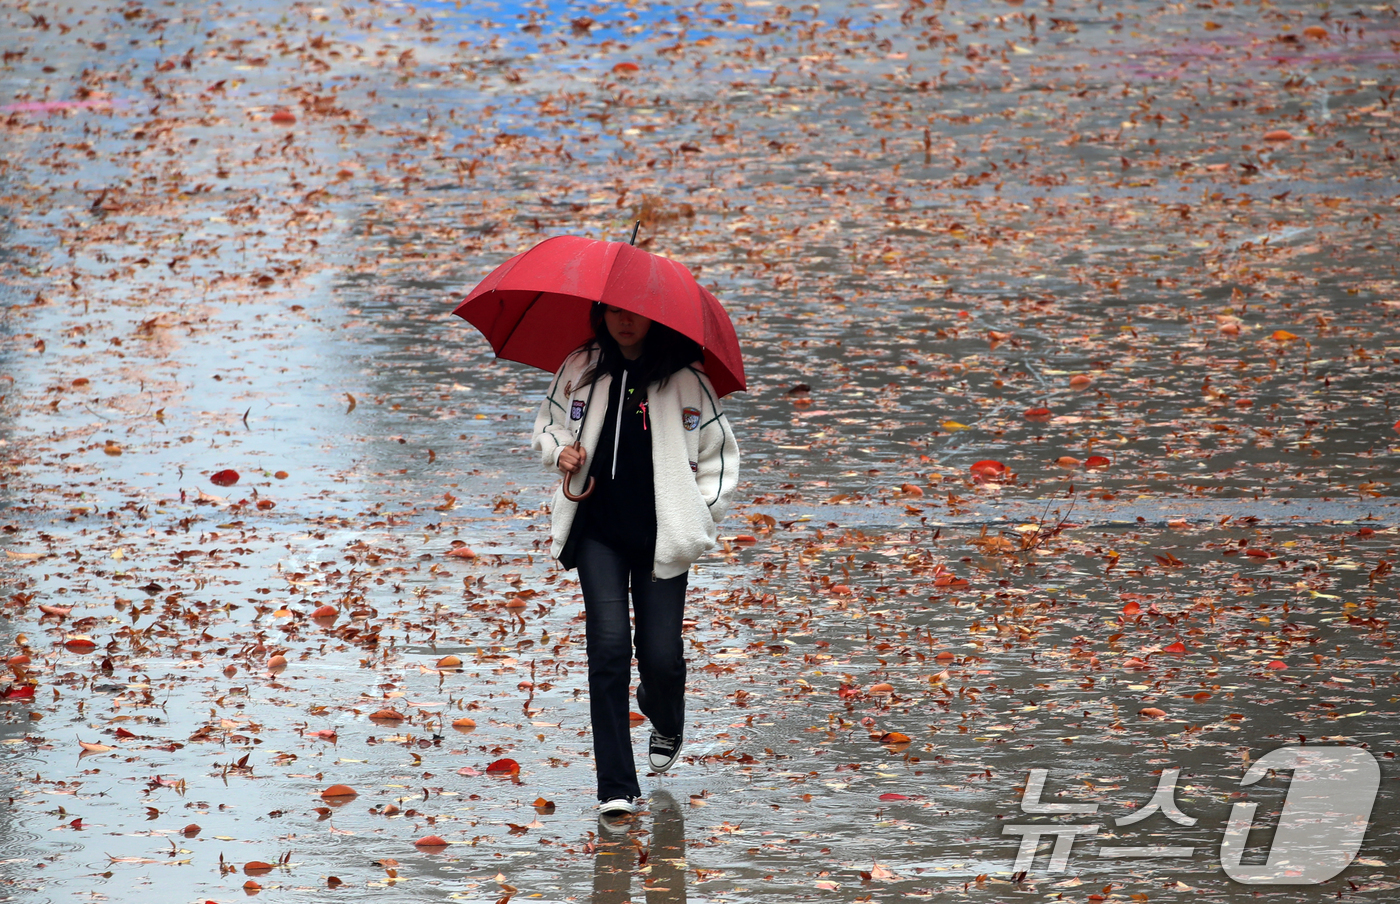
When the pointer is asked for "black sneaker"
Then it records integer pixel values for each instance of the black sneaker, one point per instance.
(617, 806)
(615, 816)
(663, 752)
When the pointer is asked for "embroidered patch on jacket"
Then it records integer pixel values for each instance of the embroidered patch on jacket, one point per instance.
(576, 412)
(690, 417)
(694, 467)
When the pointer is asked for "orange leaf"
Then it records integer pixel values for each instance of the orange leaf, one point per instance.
(256, 867)
(882, 688)
(1257, 553)
(894, 737)
(449, 662)
(1080, 381)
(1151, 712)
(1131, 608)
(1278, 135)
(284, 117)
(387, 715)
(1283, 336)
(1316, 32)
(340, 791)
(94, 748)
(1067, 461)
(1037, 414)
(431, 841)
(325, 612)
(462, 552)
(464, 724)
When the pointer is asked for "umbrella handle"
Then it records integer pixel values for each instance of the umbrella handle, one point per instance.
(587, 489)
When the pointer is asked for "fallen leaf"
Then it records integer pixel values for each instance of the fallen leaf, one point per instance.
(386, 715)
(340, 791)
(431, 841)
(225, 478)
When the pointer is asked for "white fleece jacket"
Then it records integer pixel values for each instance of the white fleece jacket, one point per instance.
(695, 459)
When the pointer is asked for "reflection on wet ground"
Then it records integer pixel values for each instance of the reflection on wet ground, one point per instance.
(1069, 239)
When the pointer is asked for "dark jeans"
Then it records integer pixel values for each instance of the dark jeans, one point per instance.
(658, 605)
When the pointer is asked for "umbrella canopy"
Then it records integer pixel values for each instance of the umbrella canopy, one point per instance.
(534, 307)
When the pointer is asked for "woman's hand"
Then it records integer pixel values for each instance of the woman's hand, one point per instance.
(571, 459)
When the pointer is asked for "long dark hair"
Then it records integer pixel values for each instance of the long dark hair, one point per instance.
(664, 351)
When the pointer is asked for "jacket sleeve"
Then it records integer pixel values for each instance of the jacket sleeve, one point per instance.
(717, 471)
(552, 430)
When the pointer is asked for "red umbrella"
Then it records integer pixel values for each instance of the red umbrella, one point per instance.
(534, 307)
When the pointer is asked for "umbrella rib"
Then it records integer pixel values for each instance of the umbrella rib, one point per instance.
(515, 326)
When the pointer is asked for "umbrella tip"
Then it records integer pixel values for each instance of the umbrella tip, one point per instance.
(633, 239)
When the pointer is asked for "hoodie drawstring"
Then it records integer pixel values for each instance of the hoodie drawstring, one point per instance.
(617, 434)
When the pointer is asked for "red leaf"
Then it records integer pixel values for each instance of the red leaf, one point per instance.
(1276, 665)
(1037, 414)
(1096, 461)
(225, 478)
(1131, 608)
(626, 67)
(504, 766)
(988, 470)
(1257, 553)
(892, 796)
(1177, 648)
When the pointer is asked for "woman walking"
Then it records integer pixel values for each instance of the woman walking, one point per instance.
(633, 410)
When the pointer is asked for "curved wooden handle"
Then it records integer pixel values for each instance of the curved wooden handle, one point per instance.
(587, 490)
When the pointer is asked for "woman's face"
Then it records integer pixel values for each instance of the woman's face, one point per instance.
(627, 329)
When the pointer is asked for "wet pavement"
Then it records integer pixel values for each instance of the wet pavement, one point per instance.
(1052, 236)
